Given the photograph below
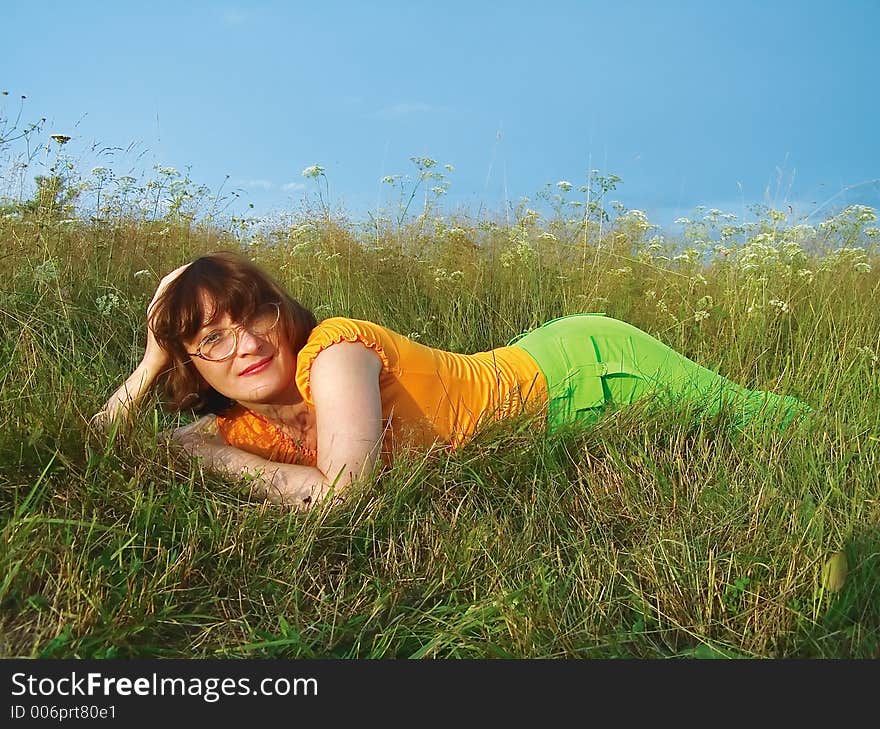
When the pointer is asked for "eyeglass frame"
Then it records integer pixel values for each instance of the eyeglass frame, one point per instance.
(234, 329)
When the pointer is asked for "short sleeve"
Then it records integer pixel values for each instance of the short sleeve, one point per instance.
(332, 331)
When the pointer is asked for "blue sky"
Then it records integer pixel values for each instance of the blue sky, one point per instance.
(691, 103)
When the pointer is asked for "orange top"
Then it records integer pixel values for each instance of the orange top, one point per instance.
(428, 395)
(253, 433)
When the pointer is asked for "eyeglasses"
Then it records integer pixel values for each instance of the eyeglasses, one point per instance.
(220, 344)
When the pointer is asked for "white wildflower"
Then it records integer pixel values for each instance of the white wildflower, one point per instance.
(107, 303)
(864, 214)
(388, 179)
(862, 267)
(564, 185)
(639, 218)
(423, 163)
(762, 239)
(869, 353)
(700, 315)
(530, 216)
(729, 231)
(442, 275)
(807, 274)
(799, 232)
(782, 306)
(313, 171)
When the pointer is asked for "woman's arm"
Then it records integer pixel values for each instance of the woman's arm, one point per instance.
(344, 381)
(138, 383)
(130, 392)
(348, 409)
(281, 483)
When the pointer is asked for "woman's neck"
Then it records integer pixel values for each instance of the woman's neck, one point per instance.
(281, 410)
(286, 406)
(296, 420)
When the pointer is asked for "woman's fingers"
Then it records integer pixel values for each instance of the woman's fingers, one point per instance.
(154, 353)
(101, 419)
(164, 283)
(104, 418)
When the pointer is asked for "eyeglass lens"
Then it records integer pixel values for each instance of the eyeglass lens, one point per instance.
(220, 344)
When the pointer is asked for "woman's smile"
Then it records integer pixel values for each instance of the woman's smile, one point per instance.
(257, 367)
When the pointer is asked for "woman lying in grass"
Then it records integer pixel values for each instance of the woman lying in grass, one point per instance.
(306, 408)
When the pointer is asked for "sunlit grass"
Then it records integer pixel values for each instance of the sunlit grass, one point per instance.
(648, 534)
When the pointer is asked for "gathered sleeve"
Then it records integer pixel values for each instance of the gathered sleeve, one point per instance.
(332, 331)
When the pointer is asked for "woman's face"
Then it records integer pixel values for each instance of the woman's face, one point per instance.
(261, 369)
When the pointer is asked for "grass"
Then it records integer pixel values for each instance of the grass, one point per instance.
(649, 534)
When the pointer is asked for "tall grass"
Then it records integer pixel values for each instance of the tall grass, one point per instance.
(648, 534)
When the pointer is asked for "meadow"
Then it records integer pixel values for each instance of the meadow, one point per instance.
(645, 535)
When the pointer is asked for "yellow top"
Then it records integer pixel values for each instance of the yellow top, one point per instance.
(428, 395)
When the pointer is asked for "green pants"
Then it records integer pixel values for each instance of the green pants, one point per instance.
(591, 361)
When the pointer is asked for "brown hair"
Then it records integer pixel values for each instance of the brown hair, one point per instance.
(232, 285)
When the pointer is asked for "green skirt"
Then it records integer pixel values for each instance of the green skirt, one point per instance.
(591, 361)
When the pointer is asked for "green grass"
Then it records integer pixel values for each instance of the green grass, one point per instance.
(648, 534)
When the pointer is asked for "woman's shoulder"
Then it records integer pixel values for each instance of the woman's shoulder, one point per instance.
(336, 329)
(340, 328)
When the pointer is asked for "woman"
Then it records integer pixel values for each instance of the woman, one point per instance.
(306, 408)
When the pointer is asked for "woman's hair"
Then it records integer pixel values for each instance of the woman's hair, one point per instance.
(229, 284)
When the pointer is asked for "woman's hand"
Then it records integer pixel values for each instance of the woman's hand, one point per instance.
(155, 356)
(154, 361)
(196, 432)
(286, 487)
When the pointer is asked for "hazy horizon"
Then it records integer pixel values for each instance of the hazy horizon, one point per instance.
(689, 103)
